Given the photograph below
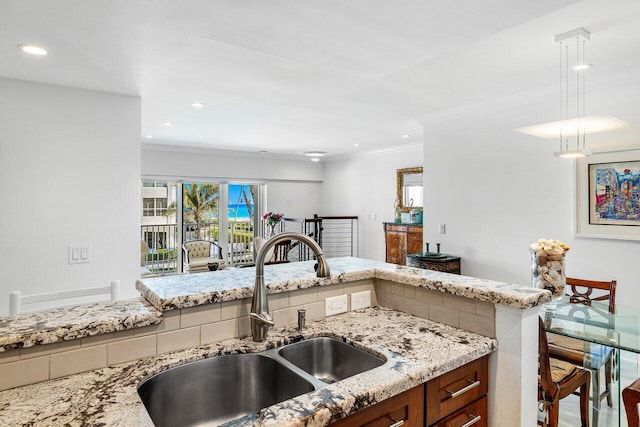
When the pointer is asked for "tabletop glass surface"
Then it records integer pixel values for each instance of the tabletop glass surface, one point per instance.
(593, 323)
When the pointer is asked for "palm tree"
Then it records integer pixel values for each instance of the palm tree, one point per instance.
(199, 202)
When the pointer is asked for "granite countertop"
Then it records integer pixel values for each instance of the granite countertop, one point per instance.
(73, 322)
(180, 291)
(416, 350)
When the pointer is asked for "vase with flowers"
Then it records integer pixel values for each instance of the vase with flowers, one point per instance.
(271, 219)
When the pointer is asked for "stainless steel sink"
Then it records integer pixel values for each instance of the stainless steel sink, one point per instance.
(219, 389)
(216, 390)
(328, 359)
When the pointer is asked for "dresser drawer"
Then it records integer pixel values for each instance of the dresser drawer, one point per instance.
(472, 415)
(456, 389)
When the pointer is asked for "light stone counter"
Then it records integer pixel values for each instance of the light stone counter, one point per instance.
(79, 321)
(418, 350)
(180, 291)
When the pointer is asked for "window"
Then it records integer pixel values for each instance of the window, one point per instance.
(154, 206)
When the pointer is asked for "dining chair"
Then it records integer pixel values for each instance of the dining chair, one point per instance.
(589, 355)
(631, 398)
(278, 254)
(558, 379)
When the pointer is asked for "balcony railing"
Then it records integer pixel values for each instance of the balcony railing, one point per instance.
(338, 236)
(162, 240)
(165, 245)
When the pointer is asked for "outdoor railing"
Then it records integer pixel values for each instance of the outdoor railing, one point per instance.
(162, 256)
(336, 235)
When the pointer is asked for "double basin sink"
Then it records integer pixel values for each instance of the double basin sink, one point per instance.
(216, 390)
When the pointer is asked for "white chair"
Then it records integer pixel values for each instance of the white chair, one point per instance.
(17, 300)
(198, 256)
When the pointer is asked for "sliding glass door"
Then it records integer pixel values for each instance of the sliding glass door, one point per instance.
(177, 212)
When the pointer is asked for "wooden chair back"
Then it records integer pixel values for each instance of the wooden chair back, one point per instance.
(631, 398)
(281, 252)
(544, 365)
(581, 292)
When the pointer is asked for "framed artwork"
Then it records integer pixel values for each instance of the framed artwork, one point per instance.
(608, 196)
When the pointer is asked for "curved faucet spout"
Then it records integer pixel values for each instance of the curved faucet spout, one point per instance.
(261, 320)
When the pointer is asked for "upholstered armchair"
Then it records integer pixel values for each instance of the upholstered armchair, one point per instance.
(202, 255)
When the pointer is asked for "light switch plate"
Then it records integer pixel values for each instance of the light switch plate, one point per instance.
(335, 305)
(79, 253)
(360, 300)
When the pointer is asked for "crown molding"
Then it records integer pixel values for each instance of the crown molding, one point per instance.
(146, 146)
(377, 152)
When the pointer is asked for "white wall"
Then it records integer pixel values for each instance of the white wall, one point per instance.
(294, 199)
(363, 185)
(69, 173)
(293, 186)
(498, 191)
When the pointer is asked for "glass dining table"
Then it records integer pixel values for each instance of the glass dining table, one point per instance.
(593, 323)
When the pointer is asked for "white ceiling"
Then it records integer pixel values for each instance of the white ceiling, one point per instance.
(289, 76)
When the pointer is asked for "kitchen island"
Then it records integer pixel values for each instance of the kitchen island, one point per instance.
(200, 312)
(421, 351)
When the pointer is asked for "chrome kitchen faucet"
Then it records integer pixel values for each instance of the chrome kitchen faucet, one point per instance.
(261, 320)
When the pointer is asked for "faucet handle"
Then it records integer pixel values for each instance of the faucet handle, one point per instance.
(263, 318)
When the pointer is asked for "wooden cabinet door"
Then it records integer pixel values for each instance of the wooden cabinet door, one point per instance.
(414, 241)
(396, 247)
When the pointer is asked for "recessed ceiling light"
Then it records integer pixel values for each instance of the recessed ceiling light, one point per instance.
(197, 104)
(167, 123)
(315, 159)
(406, 135)
(356, 145)
(33, 49)
(148, 136)
(314, 153)
(263, 151)
(581, 67)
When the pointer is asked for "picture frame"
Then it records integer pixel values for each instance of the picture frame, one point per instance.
(604, 211)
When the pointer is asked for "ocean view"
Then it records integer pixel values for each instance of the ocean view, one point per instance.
(238, 211)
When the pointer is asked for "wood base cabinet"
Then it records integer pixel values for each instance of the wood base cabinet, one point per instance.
(455, 399)
(401, 240)
(458, 398)
(405, 409)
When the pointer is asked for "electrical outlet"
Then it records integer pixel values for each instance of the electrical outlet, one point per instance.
(360, 300)
(335, 305)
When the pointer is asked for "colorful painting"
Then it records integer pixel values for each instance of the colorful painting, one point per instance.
(614, 193)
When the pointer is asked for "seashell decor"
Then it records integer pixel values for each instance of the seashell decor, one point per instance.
(547, 266)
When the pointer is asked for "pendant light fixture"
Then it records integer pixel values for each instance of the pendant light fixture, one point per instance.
(571, 131)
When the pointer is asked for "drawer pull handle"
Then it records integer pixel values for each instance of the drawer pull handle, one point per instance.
(473, 385)
(474, 419)
(395, 423)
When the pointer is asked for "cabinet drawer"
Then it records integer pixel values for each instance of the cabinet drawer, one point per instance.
(406, 409)
(472, 415)
(396, 228)
(456, 389)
